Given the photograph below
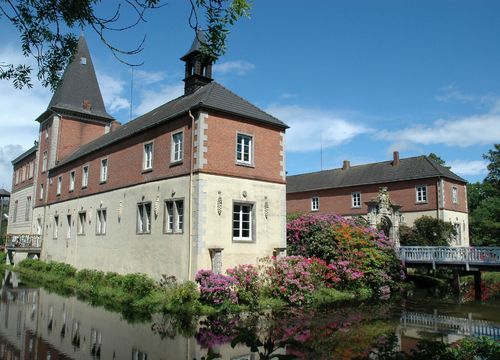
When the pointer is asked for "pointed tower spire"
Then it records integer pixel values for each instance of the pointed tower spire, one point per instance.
(198, 68)
(79, 90)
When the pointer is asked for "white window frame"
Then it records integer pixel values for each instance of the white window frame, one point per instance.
(59, 185)
(85, 176)
(239, 210)
(56, 226)
(174, 216)
(104, 170)
(101, 221)
(82, 219)
(454, 195)
(44, 161)
(28, 208)
(14, 213)
(72, 177)
(177, 151)
(356, 200)
(41, 192)
(143, 218)
(421, 194)
(315, 203)
(147, 160)
(243, 149)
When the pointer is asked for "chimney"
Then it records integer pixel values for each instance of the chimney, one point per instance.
(395, 161)
(346, 165)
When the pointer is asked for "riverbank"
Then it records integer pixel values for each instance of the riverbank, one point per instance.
(137, 297)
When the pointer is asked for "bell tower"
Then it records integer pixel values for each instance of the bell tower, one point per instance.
(198, 67)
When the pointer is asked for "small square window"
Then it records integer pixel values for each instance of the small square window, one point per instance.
(177, 147)
(147, 161)
(421, 194)
(356, 200)
(315, 203)
(244, 149)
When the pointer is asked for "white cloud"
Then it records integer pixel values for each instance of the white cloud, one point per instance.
(464, 132)
(148, 77)
(152, 98)
(238, 67)
(310, 128)
(7, 154)
(450, 93)
(112, 89)
(469, 168)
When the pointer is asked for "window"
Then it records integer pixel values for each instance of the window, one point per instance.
(59, 185)
(68, 223)
(356, 200)
(144, 218)
(72, 181)
(244, 149)
(82, 217)
(104, 170)
(17, 177)
(14, 215)
(28, 208)
(177, 146)
(56, 226)
(23, 174)
(139, 355)
(32, 170)
(101, 222)
(174, 216)
(85, 176)
(458, 235)
(47, 134)
(454, 195)
(242, 222)
(421, 192)
(147, 162)
(314, 203)
(44, 161)
(41, 192)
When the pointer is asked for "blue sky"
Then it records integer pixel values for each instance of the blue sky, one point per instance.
(358, 79)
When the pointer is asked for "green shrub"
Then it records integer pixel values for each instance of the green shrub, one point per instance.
(3, 256)
(90, 276)
(61, 269)
(327, 296)
(138, 284)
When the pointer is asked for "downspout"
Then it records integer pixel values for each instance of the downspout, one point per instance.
(190, 239)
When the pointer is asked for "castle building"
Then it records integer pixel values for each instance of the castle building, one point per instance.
(197, 183)
(386, 194)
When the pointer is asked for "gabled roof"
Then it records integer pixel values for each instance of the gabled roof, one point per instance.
(413, 168)
(212, 96)
(24, 155)
(78, 86)
(4, 193)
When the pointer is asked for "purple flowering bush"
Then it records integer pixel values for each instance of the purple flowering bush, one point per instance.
(215, 289)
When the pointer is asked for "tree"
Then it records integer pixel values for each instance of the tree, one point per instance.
(47, 31)
(438, 159)
(427, 231)
(484, 204)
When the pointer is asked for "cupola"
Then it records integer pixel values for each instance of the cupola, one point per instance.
(198, 67)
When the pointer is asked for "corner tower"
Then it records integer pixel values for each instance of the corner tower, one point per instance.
(198, 67)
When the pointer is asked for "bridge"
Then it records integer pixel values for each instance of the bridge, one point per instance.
(463, 258)
(31, 244)
(450, 324)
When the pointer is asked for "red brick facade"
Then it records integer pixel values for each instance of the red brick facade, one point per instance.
(24, 172)
(74, 133)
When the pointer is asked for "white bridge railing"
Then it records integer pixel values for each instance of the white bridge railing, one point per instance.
(456, 325)
(24, 241)
(443, 255)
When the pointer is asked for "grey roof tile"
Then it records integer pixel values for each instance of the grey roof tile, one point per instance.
(376, 173)
(211, 96)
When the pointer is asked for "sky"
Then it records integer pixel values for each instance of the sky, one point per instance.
(355, 80)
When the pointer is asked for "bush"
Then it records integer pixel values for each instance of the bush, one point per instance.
(138, 284)
(427, 231)
(216, 289)
(247, 283)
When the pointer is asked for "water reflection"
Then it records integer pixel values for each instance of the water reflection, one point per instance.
(36, 324)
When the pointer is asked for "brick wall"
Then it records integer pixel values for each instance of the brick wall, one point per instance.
(74, 133)
(24, 172)
(339, 200)
(461, 204)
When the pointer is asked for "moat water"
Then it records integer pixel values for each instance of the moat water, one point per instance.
(37, 324)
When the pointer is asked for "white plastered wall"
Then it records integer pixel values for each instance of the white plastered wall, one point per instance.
(121, 249)
(461, 220)
(214, 230)
(20, 225)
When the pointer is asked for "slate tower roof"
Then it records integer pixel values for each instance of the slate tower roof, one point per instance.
(198, 71)
(79, 91)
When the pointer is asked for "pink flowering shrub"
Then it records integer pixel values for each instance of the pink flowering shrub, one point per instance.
(215, 289)
(357, 254)
(247, 283)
